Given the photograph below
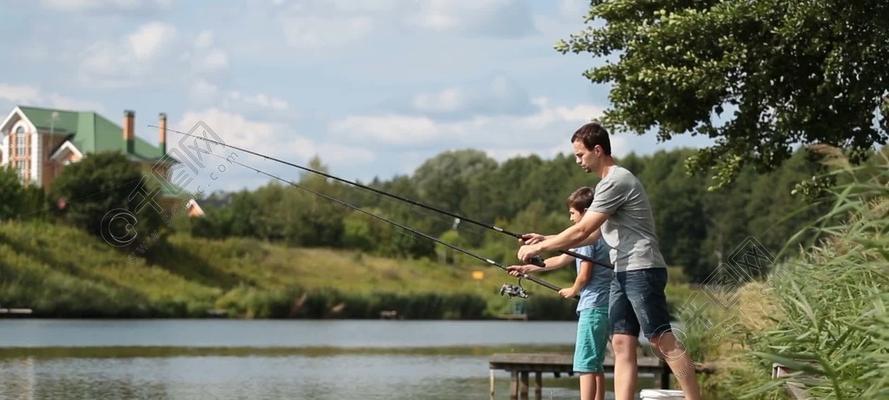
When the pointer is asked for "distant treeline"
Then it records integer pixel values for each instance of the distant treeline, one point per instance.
(697, 228)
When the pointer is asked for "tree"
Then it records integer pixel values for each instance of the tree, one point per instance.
(106, 195)
(443, 180)
(11, 194)
(757, 76)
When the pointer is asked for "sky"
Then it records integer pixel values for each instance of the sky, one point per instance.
(373, 88)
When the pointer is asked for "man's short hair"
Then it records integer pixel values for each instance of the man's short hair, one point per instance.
(591, 135)
(581, 199)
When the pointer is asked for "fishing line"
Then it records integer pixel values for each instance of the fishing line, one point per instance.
(531, 278)
(391, 195)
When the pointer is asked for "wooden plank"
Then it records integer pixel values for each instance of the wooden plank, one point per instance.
(794, 390)
(532, 358)
(513, 385)
(551, 362)
(538, 385)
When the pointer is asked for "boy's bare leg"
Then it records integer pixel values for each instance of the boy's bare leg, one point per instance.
(600, 385)
(587, 386)
(677, 358)
(624, 366)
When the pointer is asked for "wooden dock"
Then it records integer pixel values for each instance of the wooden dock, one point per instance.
(521, 365)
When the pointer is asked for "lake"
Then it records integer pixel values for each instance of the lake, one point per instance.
(267, 359)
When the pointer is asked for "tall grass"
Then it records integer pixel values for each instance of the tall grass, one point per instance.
(822, 313)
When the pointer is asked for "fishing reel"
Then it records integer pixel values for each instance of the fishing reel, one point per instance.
(513, 290)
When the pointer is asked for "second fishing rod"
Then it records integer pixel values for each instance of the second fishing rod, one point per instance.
(536, 261)
(506, 289)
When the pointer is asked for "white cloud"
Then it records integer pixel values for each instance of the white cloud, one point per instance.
(131, 60)
(34, 96)
(149, 39)
(316, 32)
(540, 130)
(214, 60)
(234, 128)
(203, 92)
(498, 95)
(204, 39)
(574, 10)
(154, 52)
(262, 100)
(448, 100)
(19, 93)
(316, 24)
(397, 130)
(505, 18)
(269, 137)
(105, 5)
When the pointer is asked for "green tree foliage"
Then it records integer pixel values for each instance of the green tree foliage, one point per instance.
(444, 180)
(757, 76)
(11, 194)
(102, 186)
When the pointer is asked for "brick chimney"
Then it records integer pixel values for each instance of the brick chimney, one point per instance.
(162, 133)
(129, 134)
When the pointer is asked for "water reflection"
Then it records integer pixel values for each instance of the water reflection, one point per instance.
(290, 377)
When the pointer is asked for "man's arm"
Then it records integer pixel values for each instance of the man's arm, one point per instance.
(597, 234)
(570, 237)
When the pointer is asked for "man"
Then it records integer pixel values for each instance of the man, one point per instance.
(622, 213)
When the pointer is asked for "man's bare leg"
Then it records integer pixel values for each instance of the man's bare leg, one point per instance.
(677, 358)
(624, 366)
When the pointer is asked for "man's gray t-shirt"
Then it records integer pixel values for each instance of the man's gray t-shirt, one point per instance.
(629, 229)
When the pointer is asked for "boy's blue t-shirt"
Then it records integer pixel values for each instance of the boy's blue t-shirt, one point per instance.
(595, 293)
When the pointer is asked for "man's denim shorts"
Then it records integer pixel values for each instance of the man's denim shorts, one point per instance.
(638, 300)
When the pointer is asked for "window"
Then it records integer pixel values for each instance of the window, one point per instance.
(20, 141)
(20, 166)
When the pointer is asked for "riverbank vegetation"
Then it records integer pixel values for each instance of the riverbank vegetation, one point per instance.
(822, 313)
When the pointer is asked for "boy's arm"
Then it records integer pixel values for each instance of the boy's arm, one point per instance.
(557, 262)
(583, 277)
(550, 264)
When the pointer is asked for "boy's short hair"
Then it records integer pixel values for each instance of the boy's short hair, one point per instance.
(581, 199)
(591, 135)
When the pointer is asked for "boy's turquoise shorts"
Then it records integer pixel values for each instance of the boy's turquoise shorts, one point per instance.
(592, 340)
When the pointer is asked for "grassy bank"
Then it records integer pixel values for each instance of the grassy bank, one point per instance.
(62, 272)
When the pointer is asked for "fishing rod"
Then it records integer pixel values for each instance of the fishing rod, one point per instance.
(536, 261)
(506, 289)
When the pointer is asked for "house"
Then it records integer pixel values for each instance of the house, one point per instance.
(39, 142)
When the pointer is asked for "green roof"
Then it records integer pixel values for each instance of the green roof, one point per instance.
(91, 132)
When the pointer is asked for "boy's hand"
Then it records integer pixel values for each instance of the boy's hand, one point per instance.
(531, 238)
(568, 292)
(519, 270)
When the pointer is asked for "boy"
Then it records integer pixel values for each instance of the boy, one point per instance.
(592, 284)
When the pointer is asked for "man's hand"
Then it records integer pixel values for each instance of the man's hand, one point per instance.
(568, 292)
(528, 251)
(532, 238)
(519, 270)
